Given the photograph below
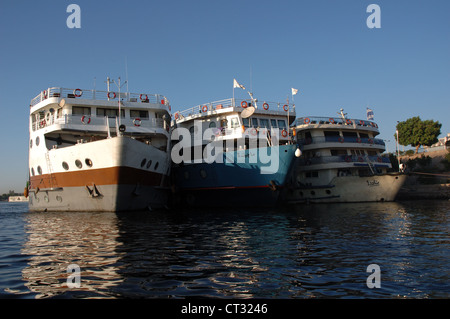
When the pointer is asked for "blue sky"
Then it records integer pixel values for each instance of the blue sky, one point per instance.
(190, 51)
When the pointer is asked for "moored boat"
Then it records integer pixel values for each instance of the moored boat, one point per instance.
(95, 150)
(341, 161)
(232, 152)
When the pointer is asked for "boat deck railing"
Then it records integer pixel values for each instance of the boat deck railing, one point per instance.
(334, 121)
(363, 159)
(59, 92)
(340, 139)
(98, 123)
(203, 109)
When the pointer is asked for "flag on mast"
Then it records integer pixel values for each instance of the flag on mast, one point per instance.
(237, 85)
(369, 114)
(294, 91)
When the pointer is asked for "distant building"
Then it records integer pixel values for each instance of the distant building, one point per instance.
(443, 141)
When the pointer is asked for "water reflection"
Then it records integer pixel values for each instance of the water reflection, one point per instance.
(56, 240)
(296, 252)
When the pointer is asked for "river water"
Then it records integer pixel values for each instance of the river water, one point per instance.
(304, 251)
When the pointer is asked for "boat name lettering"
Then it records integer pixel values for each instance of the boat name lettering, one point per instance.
(373, 183)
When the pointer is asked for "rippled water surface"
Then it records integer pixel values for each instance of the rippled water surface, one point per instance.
(316, 251)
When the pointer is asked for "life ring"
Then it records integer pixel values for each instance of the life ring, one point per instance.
(45, 94)
(358, 139)
(286, 107)
(177, 116)
(113, 93)
(332, 121)
(370, 141)
(137, 121)
(42, 123)
(77, 92)
(253, 131)
(265, 106)
(284, 133)
(204, 108)
(143, 97)
(379, 159)
(244, 104)
(361, 122)
(360, 159)
(348, 158)
(306, 121)
(88, 121)
(348, 121)
(341, 139)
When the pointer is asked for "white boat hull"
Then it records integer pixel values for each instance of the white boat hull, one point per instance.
(349, 189)
(119, 178)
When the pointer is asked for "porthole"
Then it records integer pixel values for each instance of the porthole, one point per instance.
(59, 198)
(88, 162)
(39, 170)
(156, 165)
(65, 165)
(313, 193)
(37, 141)
(328, 191)
(149, 163)
(31, 143)
(143, 162)
(32, 171)
(203, 173)
(78, 164)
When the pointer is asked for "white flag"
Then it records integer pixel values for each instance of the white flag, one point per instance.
(294, 91)
(369, 114)
(237, 85)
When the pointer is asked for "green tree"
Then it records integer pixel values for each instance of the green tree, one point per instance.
(416, 132)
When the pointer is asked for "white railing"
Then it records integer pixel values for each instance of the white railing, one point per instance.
(101, 123)
(236, 103)
(98, 95)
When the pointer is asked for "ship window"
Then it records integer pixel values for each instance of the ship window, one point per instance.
(78, 164)
(39, 170)
(363, 135)
(281, 123)
(234, 122)
(149, 163)
(81, 110)
(156, 165)
(32, 171)
(312, 174)
(65, 165)
(31, 143)
(372, 153)
(37, 141)
(139, 113)
(264, 123)
(254, 122)
(212, 124)
(273, 123)
(110, 112)
(88, 162)
(246, 122)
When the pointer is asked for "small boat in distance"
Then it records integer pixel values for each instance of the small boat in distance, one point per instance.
(341, 162)
(232, 152)
(95, 150)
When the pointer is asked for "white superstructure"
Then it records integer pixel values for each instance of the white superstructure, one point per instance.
(95, 150)
(341, 161)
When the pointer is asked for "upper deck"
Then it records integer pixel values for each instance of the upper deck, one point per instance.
(96, 97)
(318, 122)
(274, 109)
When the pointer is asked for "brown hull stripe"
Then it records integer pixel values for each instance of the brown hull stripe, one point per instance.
(104, 176)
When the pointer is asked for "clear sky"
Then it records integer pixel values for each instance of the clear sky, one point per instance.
(190, 51)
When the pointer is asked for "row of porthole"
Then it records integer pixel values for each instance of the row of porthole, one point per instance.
(202, 172)
(149, 164)
(78, 164)
(314, 193)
